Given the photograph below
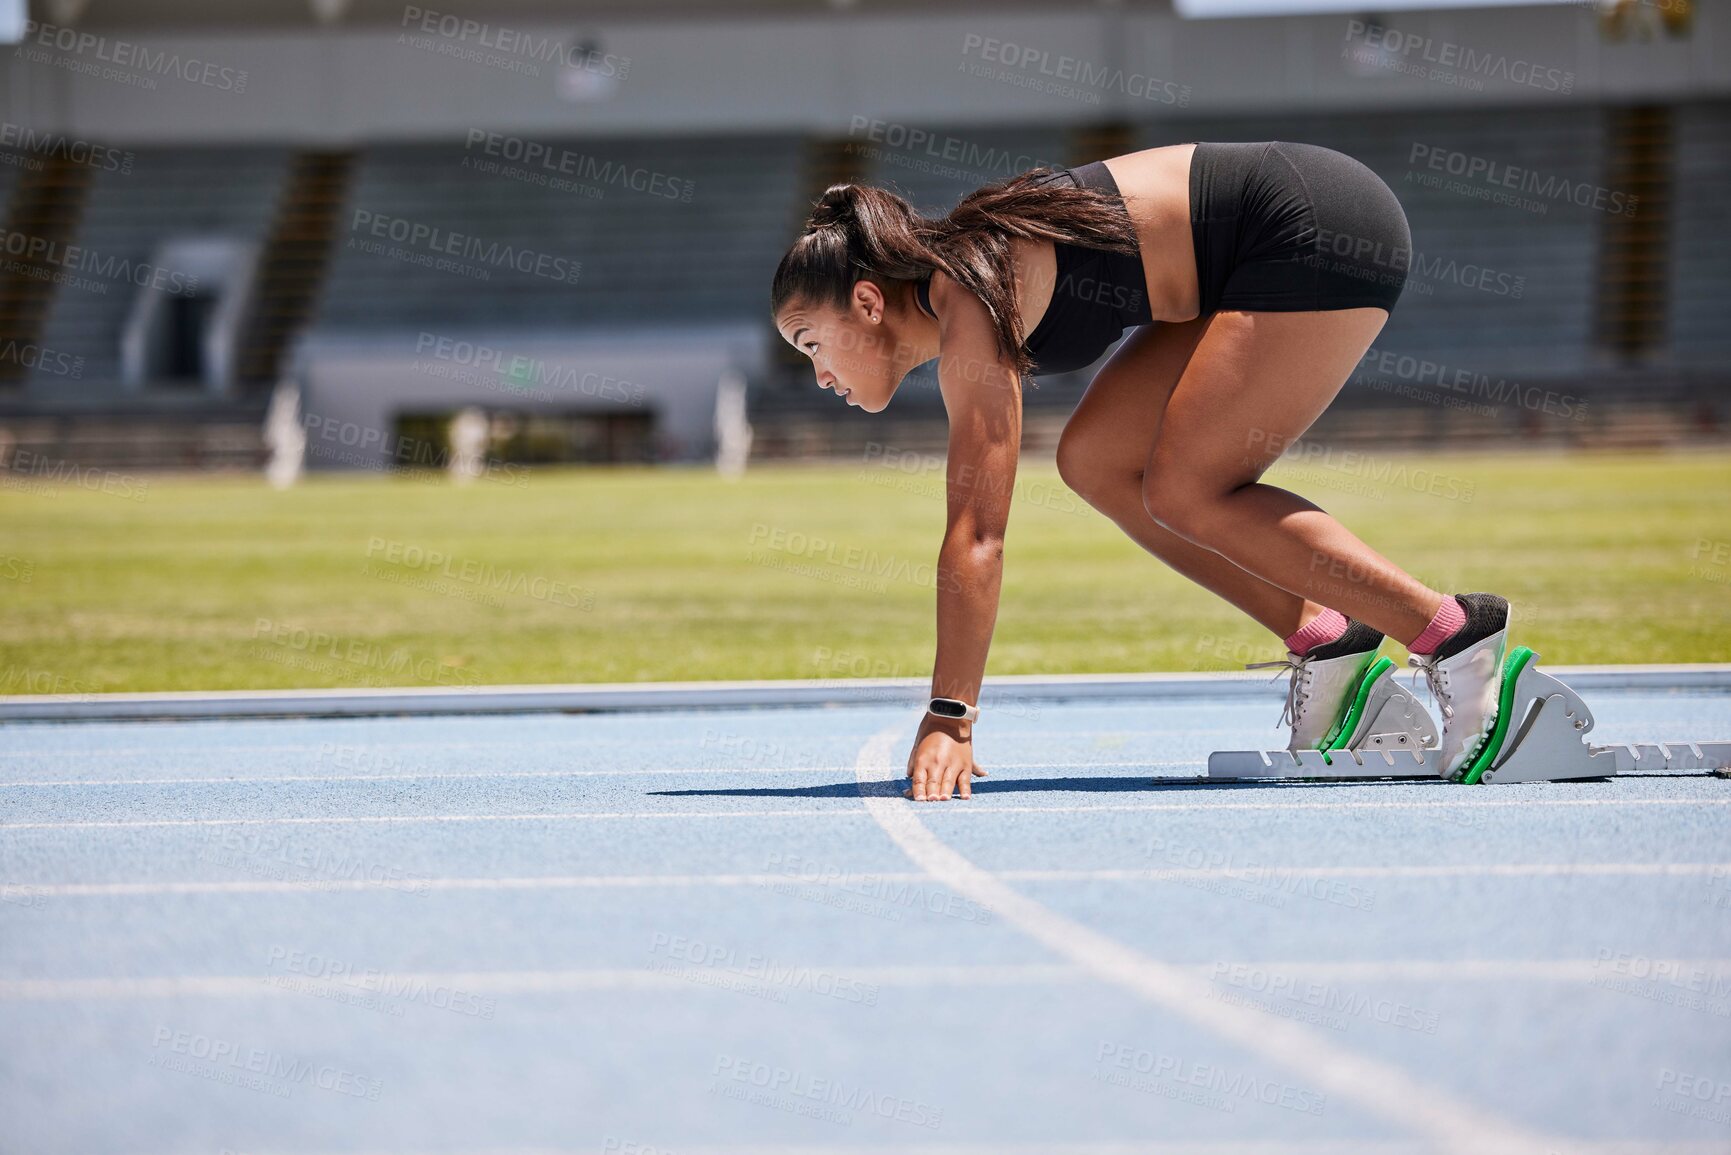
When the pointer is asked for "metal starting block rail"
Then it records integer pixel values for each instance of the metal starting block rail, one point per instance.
(1539, 736)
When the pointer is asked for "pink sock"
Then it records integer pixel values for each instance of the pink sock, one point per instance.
(1318, 631)
(1449, 618)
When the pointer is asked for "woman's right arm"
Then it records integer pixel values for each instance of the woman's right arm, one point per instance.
(983, 398)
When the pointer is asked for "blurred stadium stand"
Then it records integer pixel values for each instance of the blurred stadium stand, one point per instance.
(618, 358)
(1699, 335)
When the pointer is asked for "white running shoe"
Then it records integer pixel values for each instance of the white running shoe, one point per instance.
(1467, 682)
(1320, 691)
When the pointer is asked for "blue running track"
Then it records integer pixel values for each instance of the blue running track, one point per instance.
(666, 933)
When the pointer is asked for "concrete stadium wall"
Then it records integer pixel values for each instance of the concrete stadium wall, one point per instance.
(828, 72)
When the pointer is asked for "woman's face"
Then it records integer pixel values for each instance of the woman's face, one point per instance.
(851, 348)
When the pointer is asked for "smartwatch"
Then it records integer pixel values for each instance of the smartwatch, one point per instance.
(952, 708)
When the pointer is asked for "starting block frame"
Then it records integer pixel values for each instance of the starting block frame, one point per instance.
(1539, 736)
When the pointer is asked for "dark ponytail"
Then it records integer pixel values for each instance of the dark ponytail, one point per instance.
(859, 233)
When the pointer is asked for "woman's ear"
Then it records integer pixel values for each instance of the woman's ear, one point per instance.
(869, 299)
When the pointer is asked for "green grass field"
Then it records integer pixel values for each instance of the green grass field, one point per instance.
(594, 575)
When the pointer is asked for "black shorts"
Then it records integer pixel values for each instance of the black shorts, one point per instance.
(1281, 227)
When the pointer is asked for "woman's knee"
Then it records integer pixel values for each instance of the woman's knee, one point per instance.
(1084, 466)
(1174, 500)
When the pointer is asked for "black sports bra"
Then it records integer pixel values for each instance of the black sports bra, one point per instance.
(1098, 294)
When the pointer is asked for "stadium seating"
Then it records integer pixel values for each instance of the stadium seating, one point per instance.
(644, 256)
(1700, 296)
(168, 194)
(663, 232)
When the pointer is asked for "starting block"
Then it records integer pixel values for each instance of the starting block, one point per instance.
(1539, 736)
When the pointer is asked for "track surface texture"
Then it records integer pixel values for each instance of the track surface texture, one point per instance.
(661, 933)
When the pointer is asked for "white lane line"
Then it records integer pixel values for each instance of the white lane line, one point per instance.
(673, 975)
(385, 819)
(975, 808)
(1156, 734)
(1442, 795)
(1574, 970)
(487, 775)
(1274, 872)
(413, 884)
(1379, 1089)
(1103, 1147)
(386, 748)
(19, 891)
(412, 984)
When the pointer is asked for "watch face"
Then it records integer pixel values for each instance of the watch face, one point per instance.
(949, 708)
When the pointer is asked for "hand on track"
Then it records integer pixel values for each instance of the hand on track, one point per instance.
(942, 762)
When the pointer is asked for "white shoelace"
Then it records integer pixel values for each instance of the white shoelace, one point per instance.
(1295, 691)
(1435, 677)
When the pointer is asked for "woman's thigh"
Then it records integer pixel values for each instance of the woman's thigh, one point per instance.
(1254, 384)
(1112, 431)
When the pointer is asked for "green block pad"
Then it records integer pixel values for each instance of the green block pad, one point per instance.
(1493, 743)
(1342, 732)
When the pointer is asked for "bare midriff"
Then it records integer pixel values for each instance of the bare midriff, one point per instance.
(1155, 184)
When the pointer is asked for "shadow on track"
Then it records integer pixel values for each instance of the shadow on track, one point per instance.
(1117, 784)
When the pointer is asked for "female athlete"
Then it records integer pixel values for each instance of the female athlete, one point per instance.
(1252, 278)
